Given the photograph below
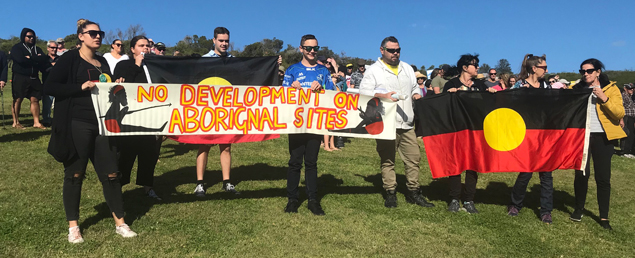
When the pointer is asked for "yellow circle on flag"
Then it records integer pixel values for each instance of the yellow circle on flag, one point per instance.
(504, 129)
(215, 81)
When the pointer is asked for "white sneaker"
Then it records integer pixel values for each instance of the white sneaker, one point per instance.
(630, 156)
(125, 231)
(74, 236)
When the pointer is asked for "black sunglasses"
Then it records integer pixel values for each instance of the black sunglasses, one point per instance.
(53, 47)
(308, 48)
(30, 37)
(392, 50)
(94, 33)
(552, 81)
(492, 74)
(589, 71)
(118, 44)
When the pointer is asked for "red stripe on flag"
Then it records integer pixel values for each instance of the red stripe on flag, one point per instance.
(541, 150)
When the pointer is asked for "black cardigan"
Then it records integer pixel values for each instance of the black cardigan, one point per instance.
(130, 71)
(61, 83)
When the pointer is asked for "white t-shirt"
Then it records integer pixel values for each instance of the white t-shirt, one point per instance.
(112, 61)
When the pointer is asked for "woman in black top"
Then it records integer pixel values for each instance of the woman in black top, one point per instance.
(75, 135)
(147, 147)
(467, 69)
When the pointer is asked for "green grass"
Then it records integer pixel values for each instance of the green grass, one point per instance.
(32, 221)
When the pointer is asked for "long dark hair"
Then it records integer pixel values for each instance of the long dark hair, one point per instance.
(597, 65)
(133, 43)
(465, 60)
(529, 62)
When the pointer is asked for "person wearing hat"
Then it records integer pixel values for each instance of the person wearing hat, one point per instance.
(159, 48)
(628, 122)
(349, 71)
(421, 79)
(60, 47)
(357, 76)
(439, 82)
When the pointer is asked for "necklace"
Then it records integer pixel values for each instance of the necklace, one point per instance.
(91, 63)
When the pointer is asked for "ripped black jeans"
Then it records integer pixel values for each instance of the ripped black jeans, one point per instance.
(102, 152)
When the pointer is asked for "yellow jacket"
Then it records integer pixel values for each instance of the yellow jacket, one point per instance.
(611, 112)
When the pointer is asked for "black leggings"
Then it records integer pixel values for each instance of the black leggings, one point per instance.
(101, 151)
(147, 147)
(471, 178)
(601, 149)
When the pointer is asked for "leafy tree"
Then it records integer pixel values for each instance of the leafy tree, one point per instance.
(431, 67)
(503, 66)
(422, 68)
(484, 68)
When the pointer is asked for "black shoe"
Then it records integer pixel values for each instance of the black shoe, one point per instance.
(469, 207)
(605, 224)
(292, 206)
(229, 188)
(454, 206)
(315, 207)
(576, 216)
(391, 199)
(416, 197)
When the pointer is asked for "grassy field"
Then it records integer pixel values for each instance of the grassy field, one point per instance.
(32, 221)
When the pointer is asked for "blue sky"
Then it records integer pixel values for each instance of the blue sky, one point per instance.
(429, 33)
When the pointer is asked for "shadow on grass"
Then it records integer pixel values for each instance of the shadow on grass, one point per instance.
(175, 149)
(23, 135)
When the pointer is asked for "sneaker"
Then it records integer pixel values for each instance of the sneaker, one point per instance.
(152, 194)
(605, 224)
(416, 197)
(469, 207)
(315, 207)
(576, 216)
(125, 231)
(292, 206)
(546, 218)
(391, 199)
(229, 188)
(74, 236)
(200, 190)
(512, 211)
(454, 206)
(630, 156)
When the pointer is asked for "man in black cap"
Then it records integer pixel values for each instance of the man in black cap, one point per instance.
(439, 81)
(357, 76)
(28, 60)
(159, 48)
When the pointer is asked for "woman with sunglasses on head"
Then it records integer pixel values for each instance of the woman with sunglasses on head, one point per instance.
(532, 73)
(75, 135)
(467, 69)
(146, 147)
(116, 54)
(605, 130)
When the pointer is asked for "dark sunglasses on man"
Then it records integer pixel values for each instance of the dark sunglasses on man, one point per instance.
(309, 48)
(392, 50)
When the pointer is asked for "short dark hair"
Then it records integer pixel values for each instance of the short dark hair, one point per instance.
(389, 38)
(220, 30)
(305, 38)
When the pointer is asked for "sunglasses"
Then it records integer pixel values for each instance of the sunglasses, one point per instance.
(475, 65)
(93, 33)
(544, 67)
(160, 49)
(552, 81)
(393, 50)
(492, 74)
(589, 71)
(308, 48)
(118, 44)
(53, 47)
(30, 37)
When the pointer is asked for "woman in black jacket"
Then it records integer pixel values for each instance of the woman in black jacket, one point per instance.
(147, 147)
(467, 70)
(75, 135)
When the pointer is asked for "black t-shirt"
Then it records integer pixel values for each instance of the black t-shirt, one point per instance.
(83, 104)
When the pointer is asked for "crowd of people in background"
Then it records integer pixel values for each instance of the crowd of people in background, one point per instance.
(69, 75)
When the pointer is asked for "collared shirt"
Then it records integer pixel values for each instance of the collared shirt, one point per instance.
(213, 54)
(629, 105)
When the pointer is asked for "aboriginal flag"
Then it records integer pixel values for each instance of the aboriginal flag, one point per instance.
(520, 130)
(253, 71)
(217, 71)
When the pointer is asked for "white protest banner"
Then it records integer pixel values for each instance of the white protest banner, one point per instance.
(183, 109)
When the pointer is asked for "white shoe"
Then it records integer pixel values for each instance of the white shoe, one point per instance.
(630, 156)
(74, 236)
(125, 231)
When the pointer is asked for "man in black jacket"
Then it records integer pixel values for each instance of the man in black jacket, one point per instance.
(28, 60)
